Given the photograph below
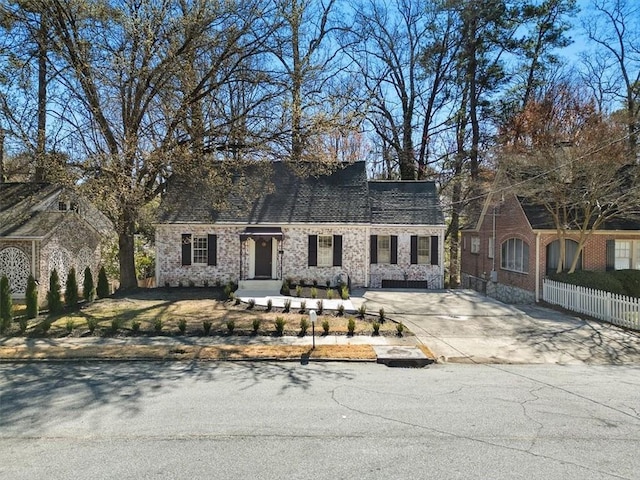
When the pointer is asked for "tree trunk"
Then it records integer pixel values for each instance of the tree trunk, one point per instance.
(454, 229)
(128, 279)
(41, 167)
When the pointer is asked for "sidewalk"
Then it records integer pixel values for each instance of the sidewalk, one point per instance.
(236, 348)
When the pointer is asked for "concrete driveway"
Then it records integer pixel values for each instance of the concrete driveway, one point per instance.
(464, 326)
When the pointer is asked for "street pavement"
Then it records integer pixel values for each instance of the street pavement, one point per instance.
(268, 421)
(465, 326)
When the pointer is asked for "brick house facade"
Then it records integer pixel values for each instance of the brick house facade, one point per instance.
(526, 246)
(331, 228)
(45, 226)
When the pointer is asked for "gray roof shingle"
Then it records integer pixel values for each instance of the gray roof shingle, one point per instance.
(279, 196)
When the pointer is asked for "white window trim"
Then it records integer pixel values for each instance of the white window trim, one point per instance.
(384, 254)
(475, 244)
(632, 254)
(504, 262)
(203, 250)
(325, 253)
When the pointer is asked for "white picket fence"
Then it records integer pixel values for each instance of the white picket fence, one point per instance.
(617, 309)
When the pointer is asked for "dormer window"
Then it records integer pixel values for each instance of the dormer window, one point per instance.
(67, 206)
(62, 206)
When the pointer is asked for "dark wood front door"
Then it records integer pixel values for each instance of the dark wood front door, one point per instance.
(263, 257)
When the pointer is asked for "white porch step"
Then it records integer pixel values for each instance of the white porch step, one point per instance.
(268, 287)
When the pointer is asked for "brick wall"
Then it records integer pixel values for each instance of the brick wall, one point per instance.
(232, 260)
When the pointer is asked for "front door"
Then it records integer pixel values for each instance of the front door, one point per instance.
(263, 257)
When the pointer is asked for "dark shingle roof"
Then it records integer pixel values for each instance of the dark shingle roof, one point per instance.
(406, 202)
(540, 218)
(19, 213)
(30, 209)
(277, 195)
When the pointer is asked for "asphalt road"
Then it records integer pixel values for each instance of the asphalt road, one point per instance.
(144, 420)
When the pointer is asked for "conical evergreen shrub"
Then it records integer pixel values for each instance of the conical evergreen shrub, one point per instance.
(88, 289)
(32, 297)
(103, 284)
(53, 295)
(6, 305)
(71, 289)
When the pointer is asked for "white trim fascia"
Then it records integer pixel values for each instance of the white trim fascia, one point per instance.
(595, 232)
(307, 225)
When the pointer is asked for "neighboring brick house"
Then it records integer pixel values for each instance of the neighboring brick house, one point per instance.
(327, 228)
(45, 226)
(527, 249)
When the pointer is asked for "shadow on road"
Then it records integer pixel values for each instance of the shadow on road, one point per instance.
(34, 395)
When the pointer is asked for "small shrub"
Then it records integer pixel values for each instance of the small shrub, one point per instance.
(287, 306)
(269, 305)
(167, 284)
(102, 290)
(53, 295)
(88, 289)
(70, 325)
(362, 311)
(23, 323)
(596, 280)
(255, 325)
(135, 326)
(327, 282)
(286, 287)
(280, 323)
(6, 304)
(206, 326)
(180, 284)
(228, 292)
(32, 298)
(45, 325)
(115, 324)
(304, 326)
(71, 289)
(330, 294)
(231, 325)
(157, 325)
(344, 292)
(205, 283)
(325, 326)
(400, 328)
(299, 291)
(630, 280)
(320, 306)
(381, 315)
(315, 282)
(251, 303)
(303, 306)
(351, 326)
(303, 282)
(182, 325)
(376, 327)
(314, 292)
(92, 324)
(218, 282)
(340, 310)
(192, 283)
(236, 300)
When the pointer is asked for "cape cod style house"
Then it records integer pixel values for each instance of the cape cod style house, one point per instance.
(332, 228)
(514, 245)
(45, 226)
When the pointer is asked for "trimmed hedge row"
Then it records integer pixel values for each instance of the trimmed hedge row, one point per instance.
(621, 282)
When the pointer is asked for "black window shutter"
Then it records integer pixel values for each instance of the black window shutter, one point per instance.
(394, 249)
(434, 250)
(313, 250)
(611, 255)
(414, 249)
(337, 250)
(186, 249)
(374, 249)
(212, 250)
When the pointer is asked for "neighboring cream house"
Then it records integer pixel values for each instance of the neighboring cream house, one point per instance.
(45, 226)
(337, 227)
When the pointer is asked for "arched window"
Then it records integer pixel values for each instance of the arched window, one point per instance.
(553, 255)
(515, 255)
